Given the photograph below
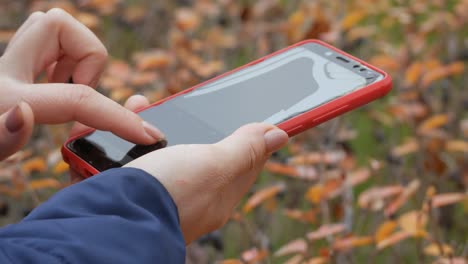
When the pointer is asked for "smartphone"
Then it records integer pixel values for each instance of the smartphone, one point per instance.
(295, 88)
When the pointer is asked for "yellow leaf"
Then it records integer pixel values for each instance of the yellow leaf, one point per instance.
(352, 19)
(34, 165)
(315, 194)
(413, 73)
(385, 62)
(433, 122)
(412, 187)
(457, 146)
(385, 230)
(261, 196)
(61, 167)
(413, 222)
(438, 250)
(44, 183)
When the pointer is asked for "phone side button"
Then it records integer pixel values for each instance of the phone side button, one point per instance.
(331, 114)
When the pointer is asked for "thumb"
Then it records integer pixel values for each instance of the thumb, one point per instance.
(16, 126)
(249, 147)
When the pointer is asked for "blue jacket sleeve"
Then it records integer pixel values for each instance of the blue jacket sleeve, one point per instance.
(119, 216)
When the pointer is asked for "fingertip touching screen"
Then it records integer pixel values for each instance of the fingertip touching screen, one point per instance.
(271, 91)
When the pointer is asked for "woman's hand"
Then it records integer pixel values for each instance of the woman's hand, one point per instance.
(207, 181)
(57, 44)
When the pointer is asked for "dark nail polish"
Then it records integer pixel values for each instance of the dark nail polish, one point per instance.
(14, 121)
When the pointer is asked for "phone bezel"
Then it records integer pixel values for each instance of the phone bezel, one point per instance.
(292, 126)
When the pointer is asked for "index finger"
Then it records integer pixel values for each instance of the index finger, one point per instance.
(60, 103)
(42, 43)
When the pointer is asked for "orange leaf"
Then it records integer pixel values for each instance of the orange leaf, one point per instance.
(373, 198)
(385, 62)
(297, 259)
(457, 146)
(152, 60)
(315, 194)
(352, 19)
(279, 168)
(385, 230)
(254, 255)
(412, 187)
(442, 72)
(303, 216)
(413, 222)
(5, 36)
(312, 158)
(326, 230)
(413, 73)
(352, 242)
(433, 122)
(34, 165)
(435, 250)
(447, 198)
(262, 195)
(44, 183)
(393, 239)
(61, 167)
(187, 19)
(408, 147)
(295, 246)
(316, 260)
(89, 20)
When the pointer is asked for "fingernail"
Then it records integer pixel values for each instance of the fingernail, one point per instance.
(152, 131)
(275, 139)
(14, 120)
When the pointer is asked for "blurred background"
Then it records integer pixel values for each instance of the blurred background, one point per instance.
(383, 184)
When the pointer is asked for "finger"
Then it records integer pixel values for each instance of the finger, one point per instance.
(42, 43)
(249, 147)
(16, 128)
(75, 177)
(60, 103)
(134, 103)
(30, 21)
(62, 70)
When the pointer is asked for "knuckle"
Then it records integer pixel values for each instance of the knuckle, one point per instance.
(253, 157)
(81, 94)
(56, 16)
(36, 14)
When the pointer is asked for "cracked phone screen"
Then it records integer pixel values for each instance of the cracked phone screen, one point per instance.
(271, 91)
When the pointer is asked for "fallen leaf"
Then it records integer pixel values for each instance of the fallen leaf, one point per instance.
(316, 260)
(351, 19)
(373, 198)
(444, 199)
(34, 165)
(295, 246)
(44, 183)
(152, 60)
(350, 242)
(326, 230)
(457, 146)
(456, 260)
(393, 239)
(91, 21)
(261, 196)
(413, 222)
(254, 255)
(409, 191)
(388, 63)
(60, 167)
(297, 259)
(438, 250)
(385, 230)
(187, 19)
(313, 158)
(433, 122)
(413, 73)
(308, 216)
(410, 145)
(231, 261)
(442, 72)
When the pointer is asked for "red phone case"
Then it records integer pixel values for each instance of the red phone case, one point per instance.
(292, 126)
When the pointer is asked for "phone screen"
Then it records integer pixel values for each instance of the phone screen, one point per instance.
(271, 91)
